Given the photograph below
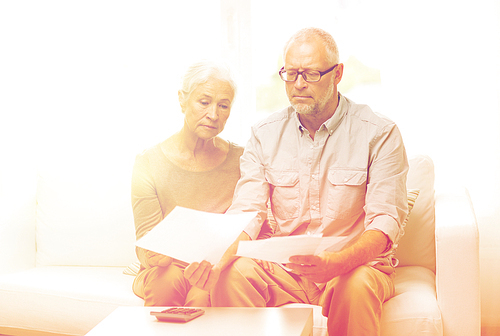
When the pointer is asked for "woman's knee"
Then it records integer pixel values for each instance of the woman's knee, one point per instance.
(165, 286)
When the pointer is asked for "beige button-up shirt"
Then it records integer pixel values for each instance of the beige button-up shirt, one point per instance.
(350, 178)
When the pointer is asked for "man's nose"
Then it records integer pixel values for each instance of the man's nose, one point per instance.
(300, 83)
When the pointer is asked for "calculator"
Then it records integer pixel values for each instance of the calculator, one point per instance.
(179, 314)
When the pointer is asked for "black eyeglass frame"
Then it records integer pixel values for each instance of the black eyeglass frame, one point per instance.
(321, 74)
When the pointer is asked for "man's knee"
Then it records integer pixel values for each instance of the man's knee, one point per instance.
(238, 286)
(353, 286)
(240, 268)
(363, 286)
(357, 282)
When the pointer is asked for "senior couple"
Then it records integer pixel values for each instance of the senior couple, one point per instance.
(326, 164)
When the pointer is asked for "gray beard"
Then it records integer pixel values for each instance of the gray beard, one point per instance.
(318, 106)
(306, 109)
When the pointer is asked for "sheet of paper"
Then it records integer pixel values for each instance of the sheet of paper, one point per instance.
(280, 249)
(190, 235)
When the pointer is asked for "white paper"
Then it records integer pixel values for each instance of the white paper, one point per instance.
(280, 249)
(191, 235)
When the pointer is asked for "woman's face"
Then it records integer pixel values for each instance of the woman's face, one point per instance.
(207, 109)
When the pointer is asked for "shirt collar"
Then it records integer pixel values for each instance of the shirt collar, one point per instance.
(331, 124)
(335, 120)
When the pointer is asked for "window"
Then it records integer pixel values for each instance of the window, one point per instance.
(267, 25)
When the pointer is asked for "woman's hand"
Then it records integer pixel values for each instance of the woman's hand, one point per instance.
(202, 275)
(156, 259)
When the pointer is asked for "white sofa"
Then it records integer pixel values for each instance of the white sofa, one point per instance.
(67, 236)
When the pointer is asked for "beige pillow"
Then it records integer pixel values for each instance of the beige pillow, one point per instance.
(417, 247)
(132, 269)
(412, 195)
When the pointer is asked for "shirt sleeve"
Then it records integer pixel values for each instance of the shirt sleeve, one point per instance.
(252, 191)
(145, 204)
(386, 204)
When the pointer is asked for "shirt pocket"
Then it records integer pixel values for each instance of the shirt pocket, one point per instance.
(346, 193)
(284, 193)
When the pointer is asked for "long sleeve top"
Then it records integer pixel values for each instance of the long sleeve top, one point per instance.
(349, 179)
(159, 185)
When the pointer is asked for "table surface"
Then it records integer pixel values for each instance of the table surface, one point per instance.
(216, 321)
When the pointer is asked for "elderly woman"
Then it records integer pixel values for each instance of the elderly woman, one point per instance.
(195, 169)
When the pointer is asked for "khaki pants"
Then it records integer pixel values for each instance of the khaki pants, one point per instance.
(166, 286)
(352, 302)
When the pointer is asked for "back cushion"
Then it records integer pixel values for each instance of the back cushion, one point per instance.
(84, 214)
(417, 246)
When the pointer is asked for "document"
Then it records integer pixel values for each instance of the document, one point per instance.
(280, 249)
(191, 235)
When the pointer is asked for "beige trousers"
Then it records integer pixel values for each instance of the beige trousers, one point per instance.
(352, 302)
(166, 286)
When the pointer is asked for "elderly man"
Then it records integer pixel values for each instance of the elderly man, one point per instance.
(331, 167)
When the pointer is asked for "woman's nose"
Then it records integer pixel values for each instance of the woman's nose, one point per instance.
(213, 113)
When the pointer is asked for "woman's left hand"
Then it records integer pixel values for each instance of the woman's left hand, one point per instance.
(202, 275)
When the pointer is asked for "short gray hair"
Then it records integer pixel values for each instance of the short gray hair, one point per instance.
(200, 72)
(332, 52)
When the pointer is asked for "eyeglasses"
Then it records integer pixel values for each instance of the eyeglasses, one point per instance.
(309, 76)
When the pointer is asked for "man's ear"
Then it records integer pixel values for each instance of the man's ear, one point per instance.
(181, 99)
(339, 72)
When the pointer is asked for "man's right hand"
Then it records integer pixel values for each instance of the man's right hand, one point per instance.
(156, 259)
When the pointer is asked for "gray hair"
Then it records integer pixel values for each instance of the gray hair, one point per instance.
(332, 52)
(200, 72)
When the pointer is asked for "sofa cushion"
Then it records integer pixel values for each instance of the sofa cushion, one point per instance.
(414, 306)
(417, 246)
(84, 216)
(63, 299)
(412, 311)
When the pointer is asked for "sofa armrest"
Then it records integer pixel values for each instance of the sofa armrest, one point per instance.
(17, 219)
(457, 264)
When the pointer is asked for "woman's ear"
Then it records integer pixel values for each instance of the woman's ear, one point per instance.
(181, 99)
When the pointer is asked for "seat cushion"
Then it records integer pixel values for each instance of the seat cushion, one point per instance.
(65, 300)
(412, 311)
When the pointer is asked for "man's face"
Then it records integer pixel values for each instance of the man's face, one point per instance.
(310, 98)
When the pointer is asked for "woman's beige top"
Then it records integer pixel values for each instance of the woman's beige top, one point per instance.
(158, 185)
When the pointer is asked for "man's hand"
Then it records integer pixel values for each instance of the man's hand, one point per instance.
(156, 259)
(328, 265)
(320, 268)
(202, 275)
